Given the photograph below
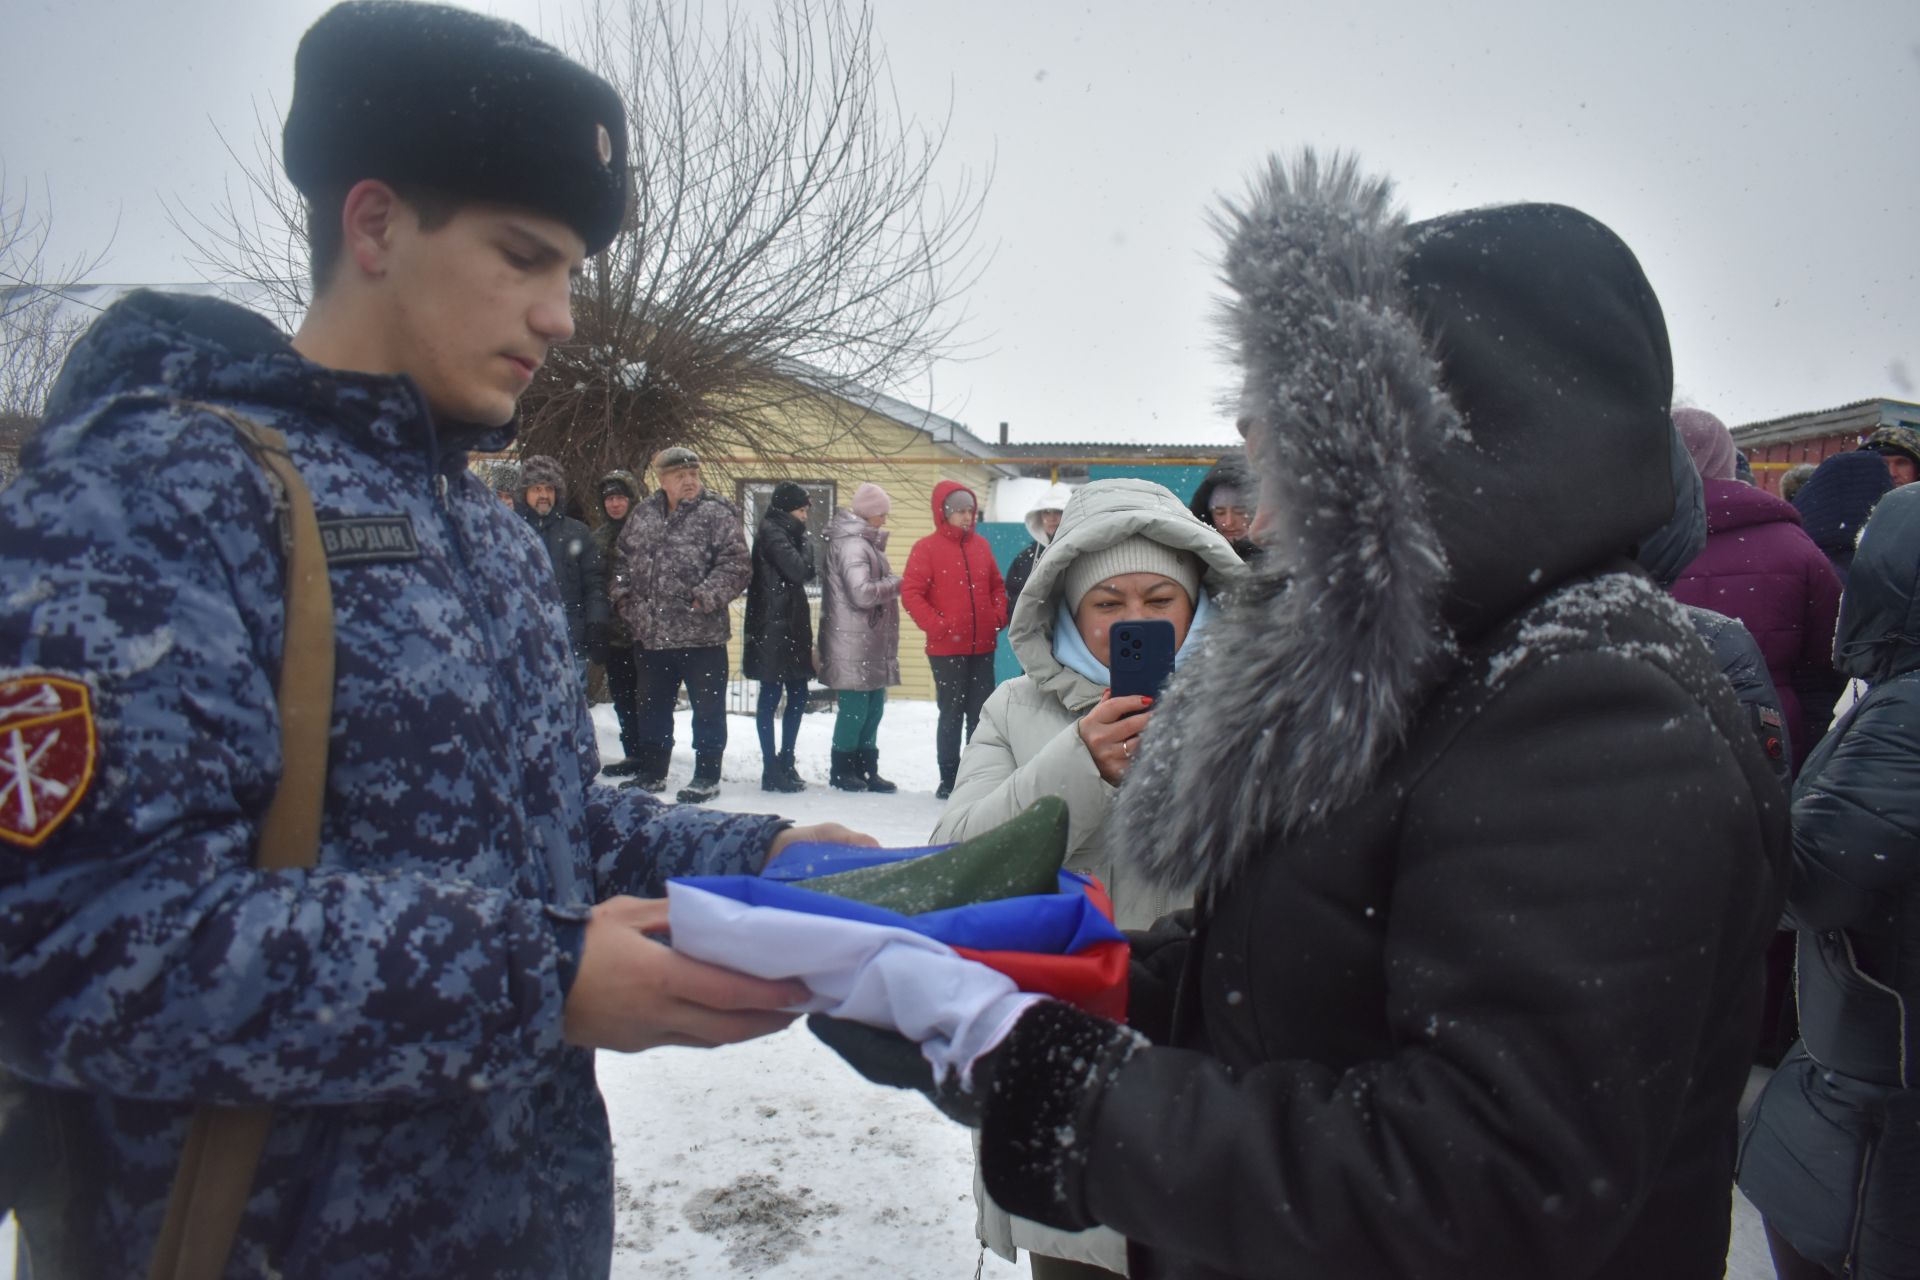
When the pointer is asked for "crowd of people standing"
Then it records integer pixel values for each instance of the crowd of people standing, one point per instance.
(1460, 853)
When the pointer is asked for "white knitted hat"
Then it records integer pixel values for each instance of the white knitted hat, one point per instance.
(1138, 554)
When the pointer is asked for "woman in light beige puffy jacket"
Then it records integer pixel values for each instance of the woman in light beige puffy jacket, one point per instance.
(1125, 549)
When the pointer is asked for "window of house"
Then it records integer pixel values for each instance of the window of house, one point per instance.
(753, 496)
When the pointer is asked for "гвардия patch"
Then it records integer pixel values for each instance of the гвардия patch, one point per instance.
(47, 751)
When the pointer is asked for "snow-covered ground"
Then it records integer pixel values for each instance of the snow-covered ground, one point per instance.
(773, 1159)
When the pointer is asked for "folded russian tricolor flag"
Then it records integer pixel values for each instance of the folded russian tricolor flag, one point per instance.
(894, 968)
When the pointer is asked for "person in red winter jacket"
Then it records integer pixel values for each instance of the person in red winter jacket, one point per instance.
(953, 591)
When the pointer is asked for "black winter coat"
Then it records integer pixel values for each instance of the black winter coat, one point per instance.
(578, 571)
(1486, 855)
(778, 641)
(1832, 1152)
(1019, 571)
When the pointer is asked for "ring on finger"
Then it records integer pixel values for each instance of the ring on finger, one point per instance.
(1127, 748)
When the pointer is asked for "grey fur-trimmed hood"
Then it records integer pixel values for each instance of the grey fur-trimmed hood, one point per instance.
(1446, 421)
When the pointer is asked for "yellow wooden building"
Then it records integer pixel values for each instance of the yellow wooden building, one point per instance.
(844, 438)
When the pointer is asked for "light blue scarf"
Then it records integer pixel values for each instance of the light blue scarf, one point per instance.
(1070, 648)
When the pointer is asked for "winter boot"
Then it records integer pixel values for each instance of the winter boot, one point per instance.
(650, 772)
(706, 780)
(846, 773)
(794, 780)
(621, 768)
(946, 784)
(869, 761)
(776, 774)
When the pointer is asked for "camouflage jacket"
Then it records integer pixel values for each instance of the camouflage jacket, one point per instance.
(401, 1004)
(675, 575)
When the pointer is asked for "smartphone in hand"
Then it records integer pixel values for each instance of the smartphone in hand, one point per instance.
(1140, 656)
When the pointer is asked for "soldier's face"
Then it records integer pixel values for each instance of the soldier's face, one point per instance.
(477, 303)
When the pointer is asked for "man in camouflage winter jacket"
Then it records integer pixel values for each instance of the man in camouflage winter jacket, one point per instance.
(421, 1008)
(682, 559)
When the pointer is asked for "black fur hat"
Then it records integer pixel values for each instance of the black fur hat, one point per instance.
(788, 496)
(460, 103)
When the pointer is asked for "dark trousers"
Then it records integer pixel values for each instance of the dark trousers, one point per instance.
(961, 684)
(770, 690)
(705, 672)
(623, 686)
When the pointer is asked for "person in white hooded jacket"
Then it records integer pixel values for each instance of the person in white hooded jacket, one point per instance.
(1043, 521)
(1124, 549)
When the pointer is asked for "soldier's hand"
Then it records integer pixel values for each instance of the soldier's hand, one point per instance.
(633, 993)
(819, 833)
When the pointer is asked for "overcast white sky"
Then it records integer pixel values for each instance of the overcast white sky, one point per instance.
(1761, 158)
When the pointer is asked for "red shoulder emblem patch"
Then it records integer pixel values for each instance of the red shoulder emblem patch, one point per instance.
(47, 752)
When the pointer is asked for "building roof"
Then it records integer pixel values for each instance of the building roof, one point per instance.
(1860, 418)
(1085, 450)
(940, 429)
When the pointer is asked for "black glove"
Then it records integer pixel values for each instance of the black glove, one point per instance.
(596, 645)
(889, 1058)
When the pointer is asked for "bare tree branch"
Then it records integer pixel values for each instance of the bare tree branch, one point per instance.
(789, 234)
(37, 325)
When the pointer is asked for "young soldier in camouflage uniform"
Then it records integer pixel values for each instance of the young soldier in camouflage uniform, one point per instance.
(683, 559)
(421, 1008)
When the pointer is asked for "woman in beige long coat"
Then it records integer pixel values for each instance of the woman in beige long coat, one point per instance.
(859, 636)
(1125, 549)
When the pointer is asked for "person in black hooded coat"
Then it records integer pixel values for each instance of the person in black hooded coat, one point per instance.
(1483, 851)
(777, 644)
(1832, 1152)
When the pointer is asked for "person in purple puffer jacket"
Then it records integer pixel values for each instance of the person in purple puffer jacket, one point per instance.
(1762, 568)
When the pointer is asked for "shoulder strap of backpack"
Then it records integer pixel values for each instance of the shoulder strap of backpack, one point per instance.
(223, 1147)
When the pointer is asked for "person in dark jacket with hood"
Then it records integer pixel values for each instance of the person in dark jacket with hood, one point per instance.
(953, 591)
(1831, 1155)
(1468, 989)
(777, 645)
(578, 569)
(1836, 500)
(1759, 566)
(1228, 499)
(619, 490)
